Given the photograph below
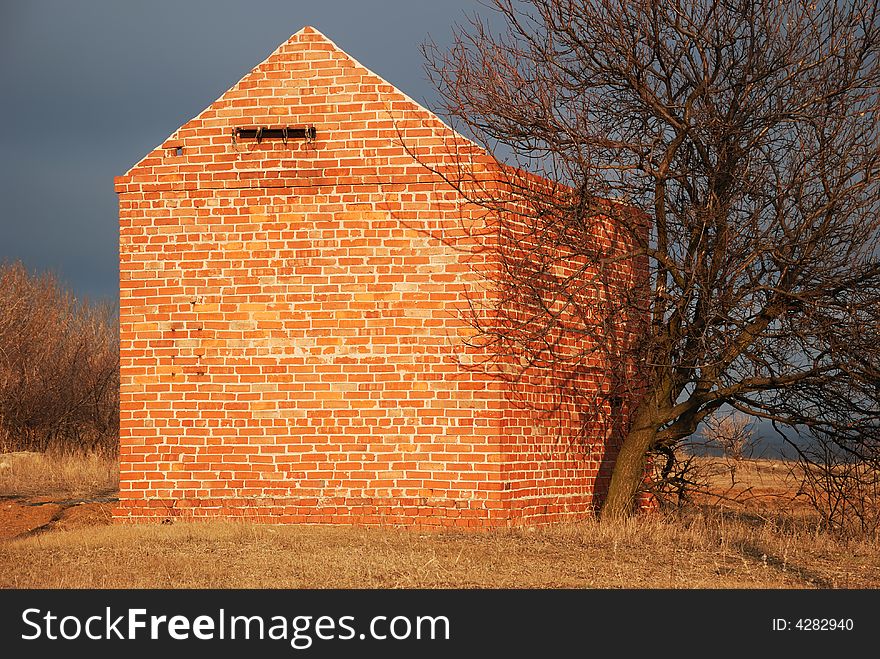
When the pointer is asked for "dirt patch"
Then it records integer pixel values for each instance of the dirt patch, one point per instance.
(19, 518)
(83, 515)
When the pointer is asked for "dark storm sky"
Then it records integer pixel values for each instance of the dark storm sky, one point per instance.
(87, 87)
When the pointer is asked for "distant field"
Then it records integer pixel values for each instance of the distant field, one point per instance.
(757, 485)
(748, 536)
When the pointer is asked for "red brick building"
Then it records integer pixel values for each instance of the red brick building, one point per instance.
(291, 343)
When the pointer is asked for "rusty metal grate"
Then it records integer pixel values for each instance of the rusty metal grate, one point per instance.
(284, 133)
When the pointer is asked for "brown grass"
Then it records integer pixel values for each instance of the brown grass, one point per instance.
(733, 543)
(27, 474)
(760, 486)
(702, 552)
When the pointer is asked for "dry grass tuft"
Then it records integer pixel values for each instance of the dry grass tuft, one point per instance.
(27, 474)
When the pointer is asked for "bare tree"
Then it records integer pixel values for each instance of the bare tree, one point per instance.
(729, 146)
(732, 434)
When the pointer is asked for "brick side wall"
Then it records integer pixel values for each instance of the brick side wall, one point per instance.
(291, 346)
(565, 321)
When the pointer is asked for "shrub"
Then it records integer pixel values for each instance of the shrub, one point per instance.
(59, 367)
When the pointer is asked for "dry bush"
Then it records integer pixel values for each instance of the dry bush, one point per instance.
(675, 476)
(59, 367)
(842, 489)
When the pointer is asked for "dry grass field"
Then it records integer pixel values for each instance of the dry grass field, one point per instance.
(26, 474)
(749, 533)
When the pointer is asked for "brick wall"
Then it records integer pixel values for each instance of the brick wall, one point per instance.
(292, 348)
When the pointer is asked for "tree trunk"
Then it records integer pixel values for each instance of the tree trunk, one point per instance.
(629, 468)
